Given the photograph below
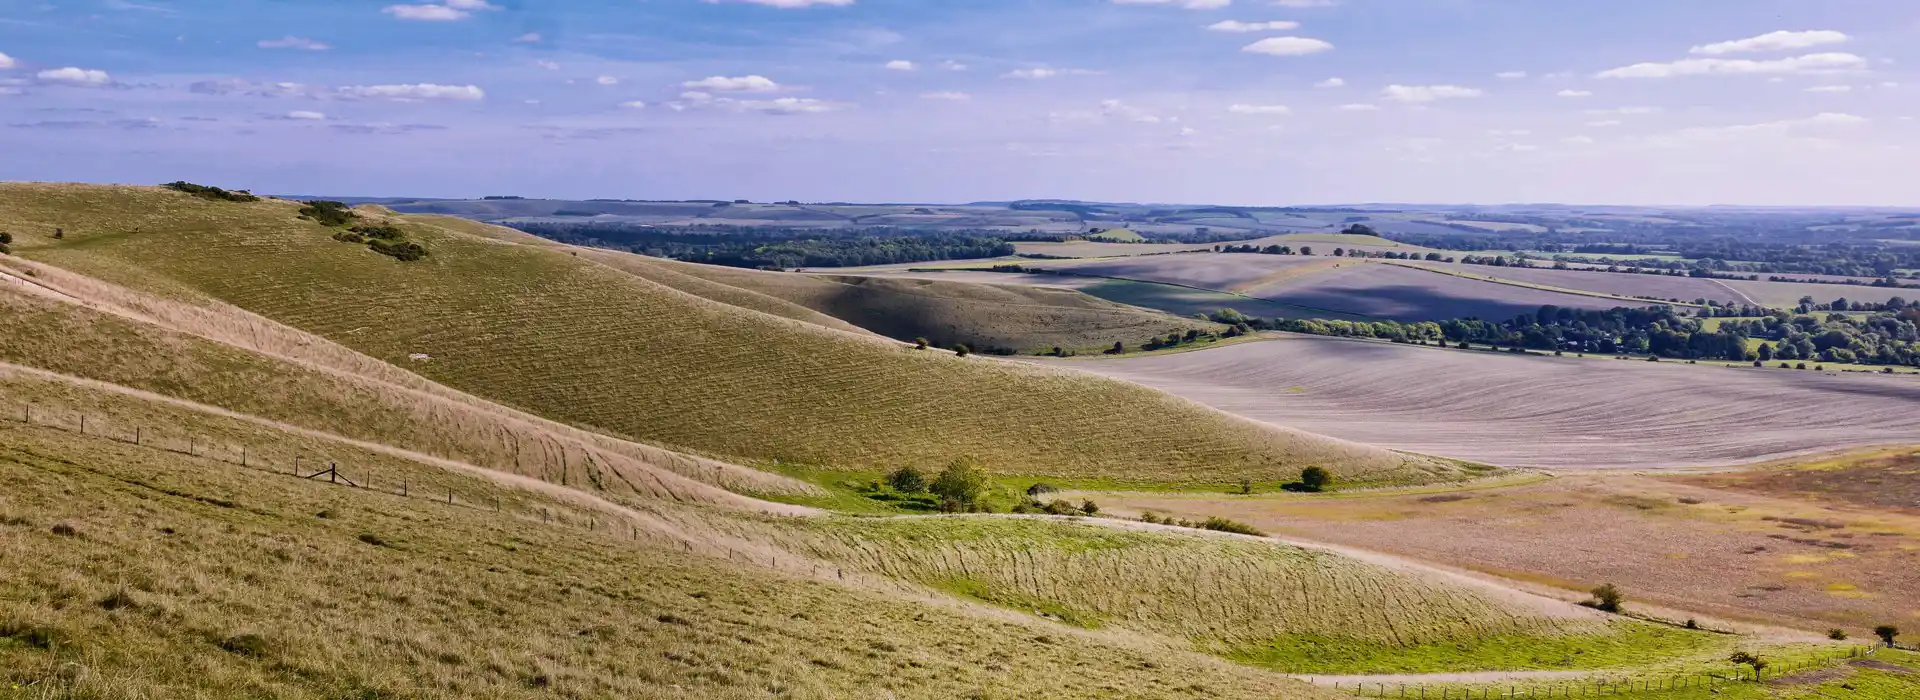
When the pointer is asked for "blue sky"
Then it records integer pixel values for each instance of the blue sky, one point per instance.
(1224, 101)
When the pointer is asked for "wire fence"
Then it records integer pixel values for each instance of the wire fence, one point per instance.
(1603, 687)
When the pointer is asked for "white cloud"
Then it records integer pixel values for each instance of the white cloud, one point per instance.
(607, 80)
(548, 65)
(1604, 123)
(1187, 131)
(469, 5)
(1511, 75)
(1362, 107)
(1831, 88)
(1428, 93)
(293, 42)
(1626, 110)
(528, 38)
(303, 115)
(1189, 4)
(1574, 93)
(953, 65)
(1287, 46)
(784, 105)
(1043, 73)
(946, 95)
(1260, 109)
(1810, 63)
(1331, 83)
(75, 77)
(419, 92)
(745, 83)
(1304, 4)
(1774, 41)
(1519, 147)
(426, 13)
(1115, 108)
(1775, 129)
(1234, 25)
(898, 64)
(7, 62)
(1508, 133)
(633, 104)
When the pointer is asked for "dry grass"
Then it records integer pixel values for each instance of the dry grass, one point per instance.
(142, 573)
(1557, 412)
(537, 328)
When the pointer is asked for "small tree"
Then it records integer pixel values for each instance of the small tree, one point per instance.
(1886, 633)
(59, 233)
(1608, 597)
(1746, 659)
(1316, 478)
(1837, 634)
(907, 480)
(1089, 507)
(960, 486)
(962, 350)
(1246, 486)
(919, 343)
(1118, 348)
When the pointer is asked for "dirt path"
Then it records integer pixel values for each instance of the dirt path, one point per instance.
(1743, 295)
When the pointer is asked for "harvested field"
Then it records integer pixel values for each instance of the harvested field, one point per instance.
(1406, 294)
(1225, 272)
(1686, 289)
(1881, 479)
(1535, 411)
(1095, 249)
(1785, 294)
(1732, 555)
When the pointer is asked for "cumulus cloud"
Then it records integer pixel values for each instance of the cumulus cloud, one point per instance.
(633, 104)
(745, 83)
(1574, 93)
(607, 80)
(1237, 26)
(1260, 109)
(946, 95)
(1511, 75)
(1428, 93)
(74, 77)
(426, 13)
(304, 115)
(953, 65)
(527, 38)
(1287, 46)
(1774, 41)
(1810, 63)
(548, 65)
(1189, 4)
(293, 42)
(899, 64)
(6, 62)
(1331, 83)
(419, 92)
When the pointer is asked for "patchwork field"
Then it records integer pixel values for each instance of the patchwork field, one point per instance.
(1678, 542)
(1407, 294)
(1535, 411)
(1685, 289)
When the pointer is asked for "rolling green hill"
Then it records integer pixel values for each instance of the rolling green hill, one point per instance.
(541, 328)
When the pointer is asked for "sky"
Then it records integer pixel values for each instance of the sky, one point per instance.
(1251, 102)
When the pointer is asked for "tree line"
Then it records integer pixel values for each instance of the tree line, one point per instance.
(778, 247)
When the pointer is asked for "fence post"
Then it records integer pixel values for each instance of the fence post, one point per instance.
(243, 455)
(449, 495)
(83, 424)
(29, 414)
(405, 490)
(136, 435)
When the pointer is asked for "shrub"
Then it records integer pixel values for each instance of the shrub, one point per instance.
(59, 234)
(328, 213)
(1316, 478)
(1089, 507)
(349, 237)
(960, 486)
(1040, 489)
(404, 251)
(1150, 517)
(1060, 507)
(1837, 634)
(6, 243)
(1608, 598)
(919, 343)
(210, 192)
(373, 539)
(385, 232)
(65, 530)
(1224, 525)
(1246, 486)
(962, 350)
(1886, 633)
(1748, 659)
(907, 480)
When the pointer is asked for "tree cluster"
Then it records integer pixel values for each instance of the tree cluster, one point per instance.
(211, 192)
(778, 247)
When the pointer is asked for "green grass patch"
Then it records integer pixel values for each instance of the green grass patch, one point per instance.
(1628, 644)
(987, 593)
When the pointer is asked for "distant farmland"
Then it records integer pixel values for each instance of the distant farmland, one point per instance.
(1535, 411)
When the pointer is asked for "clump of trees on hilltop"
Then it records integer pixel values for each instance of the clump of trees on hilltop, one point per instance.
(211, 192)
(779, 247)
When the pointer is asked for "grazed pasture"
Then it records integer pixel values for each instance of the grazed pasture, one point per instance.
(1535, 411)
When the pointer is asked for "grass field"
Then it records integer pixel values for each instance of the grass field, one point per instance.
(1536, 411)
(540, 329)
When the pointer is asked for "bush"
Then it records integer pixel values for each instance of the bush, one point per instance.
(1886, 633)
(960, 486)
(1608, 598)
(907, 480)
(328, 213)
(1060, 507)
(962, 350)
(1837, 634)
(385, 232)
(1089, 507)
(1040, 489)
(349, 237)
(919, 343)
(209, 192)
(1316, 478)
(404, 251)
(1224, 525)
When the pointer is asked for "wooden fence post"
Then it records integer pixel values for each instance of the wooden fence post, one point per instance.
(83, 424)
(29, 420)
(136, 435)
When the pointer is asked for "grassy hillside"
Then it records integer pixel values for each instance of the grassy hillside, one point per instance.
(984, 316)
(540, 328)
(138, 572)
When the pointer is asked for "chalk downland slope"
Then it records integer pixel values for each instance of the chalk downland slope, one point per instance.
(571, 339)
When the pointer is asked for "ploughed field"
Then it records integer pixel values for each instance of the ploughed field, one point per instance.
(1534, 411)
(1685, 289)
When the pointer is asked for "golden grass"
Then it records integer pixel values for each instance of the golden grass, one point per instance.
(135, 572)
(540, 329)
